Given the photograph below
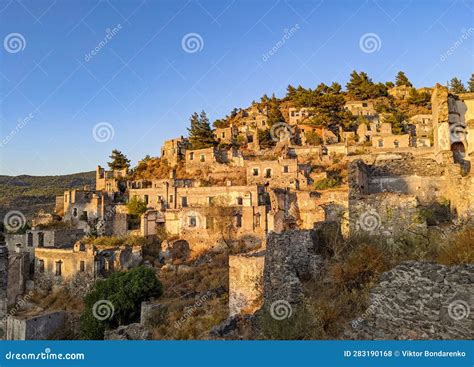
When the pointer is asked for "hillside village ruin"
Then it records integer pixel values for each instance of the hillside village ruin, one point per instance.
(250, 200)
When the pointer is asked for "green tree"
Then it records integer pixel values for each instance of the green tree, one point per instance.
(265, 139)
(221, 123)
(470, 83)
(419, 98)
(200, 132)
(119, 298)
(118, 160)
(402, 80)
(274, 114)
(361, 87)
(312, 138)
(136, 206)
(398, 121)
(456, 86)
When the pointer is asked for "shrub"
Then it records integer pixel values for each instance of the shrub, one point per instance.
(359, 267)
(124, 291)
(326, 183)
(136, 206)
(459, 250)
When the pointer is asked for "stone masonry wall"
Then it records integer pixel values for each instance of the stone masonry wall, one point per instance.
(419, 301)
(290, 257)
(246, 282)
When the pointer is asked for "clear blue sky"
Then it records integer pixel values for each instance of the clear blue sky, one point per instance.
(144, 84)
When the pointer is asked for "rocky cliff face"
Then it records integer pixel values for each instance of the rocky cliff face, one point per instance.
(419, 301)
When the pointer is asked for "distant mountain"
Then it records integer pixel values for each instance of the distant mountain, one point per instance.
(29, 194)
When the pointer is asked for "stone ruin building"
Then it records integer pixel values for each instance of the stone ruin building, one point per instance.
(227, 198)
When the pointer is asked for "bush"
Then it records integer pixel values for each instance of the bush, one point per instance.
(136, 206)
(122, 294)
(326, 183)
(459, 250)
(359, 268)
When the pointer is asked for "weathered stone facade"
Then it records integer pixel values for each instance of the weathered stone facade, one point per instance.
(39, 327)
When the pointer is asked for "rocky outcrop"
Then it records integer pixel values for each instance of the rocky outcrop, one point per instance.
(128, 332)
(418, 300)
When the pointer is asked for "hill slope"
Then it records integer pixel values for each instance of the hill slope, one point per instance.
(29, 194)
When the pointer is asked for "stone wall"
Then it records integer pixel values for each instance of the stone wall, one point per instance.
(246, 282)
(290, 257)
(18, 274)
(419, 301)
(387, 214)
(39, 327)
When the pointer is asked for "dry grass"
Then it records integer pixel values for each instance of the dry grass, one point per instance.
(459, 250)
(195, 300)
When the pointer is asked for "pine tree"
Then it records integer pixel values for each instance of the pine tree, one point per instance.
(470, 83)
(200, 132)
(402, 80)
(118, 160)
(456, 86)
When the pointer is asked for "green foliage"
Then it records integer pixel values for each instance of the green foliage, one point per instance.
(221, 123)
(312, 138)
(456, 86)
(200, 132)
(398, 120)
(326, 183)
(118, 160)
(402, 80)
(470, 83)
(274, 114)
(265, 139)
(361, 87)
(136, 206)
(125, 291)
(419, 99)
(326, 103)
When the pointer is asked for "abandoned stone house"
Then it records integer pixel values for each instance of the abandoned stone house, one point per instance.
(84, 259)
(35, 238)
(299, 115)
(173, 150)
(276, 173)
(360, 108)
(110, 181)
